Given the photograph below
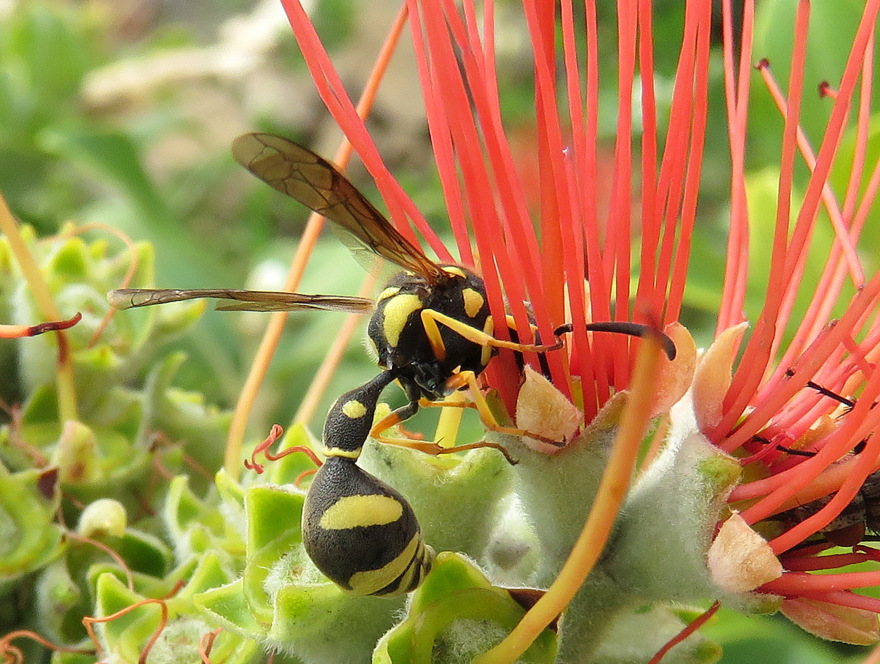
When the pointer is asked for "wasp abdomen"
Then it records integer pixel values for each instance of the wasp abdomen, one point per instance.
(361, 533)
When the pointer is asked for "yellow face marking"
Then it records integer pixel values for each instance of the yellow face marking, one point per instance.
(473, 302)
(396, 314)
(354, 511)
(457, 271)
(354, 409)
(391, 291)
(371, 581)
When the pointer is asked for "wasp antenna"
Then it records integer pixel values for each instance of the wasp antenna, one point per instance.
(563, 329)
(637, 330)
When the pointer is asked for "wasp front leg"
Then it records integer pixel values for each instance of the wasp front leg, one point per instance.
(403, 413)
(431, 319)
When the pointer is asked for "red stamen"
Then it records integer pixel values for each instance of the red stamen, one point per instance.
(862, 131)
(853, 428)
(821, 349)
(688, 116)
(333, 94)
(800, 583)
(118, 559)
(814, 563)
(14, 655)
(274, 434)
(17, 331)
(489, 230)
(89, 621)
(756, 356)
(825, 90)
(581, 216)
(758, 350)
(841, 233)
(842, 598)
(691, 628)
(206, 643)
(736, 269)
(617, 260)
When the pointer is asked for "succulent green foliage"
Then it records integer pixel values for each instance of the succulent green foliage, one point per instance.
(283, 601)
(29, 539)
(134, 428)
(456, 615)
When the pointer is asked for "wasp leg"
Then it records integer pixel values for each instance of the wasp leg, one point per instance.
(403, 413)
(394, 418)
(484, 338)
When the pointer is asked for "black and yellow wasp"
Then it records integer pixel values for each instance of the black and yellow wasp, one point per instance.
(432, 332)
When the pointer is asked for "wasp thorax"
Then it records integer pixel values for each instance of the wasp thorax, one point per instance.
(411, 334)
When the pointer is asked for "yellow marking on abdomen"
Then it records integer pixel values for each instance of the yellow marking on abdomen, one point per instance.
(354, 409)
(371, 581)
(473, 301)
(395, 315)
(412, 576)
(361, 511)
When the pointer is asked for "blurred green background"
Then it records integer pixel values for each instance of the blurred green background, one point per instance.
(123, 112)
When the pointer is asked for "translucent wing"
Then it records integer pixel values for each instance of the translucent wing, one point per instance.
(318, 184)
(239, 300)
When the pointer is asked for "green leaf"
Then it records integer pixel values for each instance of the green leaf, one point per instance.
(274, 530)
(455, 615)
(29, 538)
(227, 606)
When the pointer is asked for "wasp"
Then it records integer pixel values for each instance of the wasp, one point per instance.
(432, 332)
(430, 327)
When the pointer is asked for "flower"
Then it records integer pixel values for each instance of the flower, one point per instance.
(798, 410)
